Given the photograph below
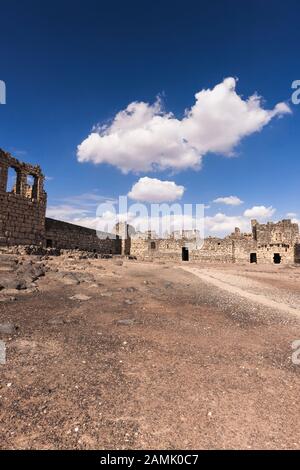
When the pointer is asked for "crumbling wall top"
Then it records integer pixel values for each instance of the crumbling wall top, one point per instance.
(23, 172)
(7, 160)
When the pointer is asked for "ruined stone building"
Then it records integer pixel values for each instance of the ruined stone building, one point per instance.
(268, 243)
(23, 221)
(22, 209)
(23, 218)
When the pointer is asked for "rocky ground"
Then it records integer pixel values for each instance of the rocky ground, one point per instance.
(121, 354)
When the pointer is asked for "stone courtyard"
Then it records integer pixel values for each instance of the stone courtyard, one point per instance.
(111, 354)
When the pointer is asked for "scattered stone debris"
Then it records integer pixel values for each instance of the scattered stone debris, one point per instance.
(129, 301)
(168, 284)
(8, 299)
(70, 279)
(56, 321)
(106, 294)
(8, 328)
(131, 289)
(80, 297)
(20, 274)
(126, 321)
(118, 262)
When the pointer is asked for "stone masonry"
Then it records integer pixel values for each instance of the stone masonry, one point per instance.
(268, 243)
(22, 210)
(73, 237)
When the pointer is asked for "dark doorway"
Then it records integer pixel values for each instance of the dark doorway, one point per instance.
(185, 254)
(277, 258)
(253, 258)
(49, 243)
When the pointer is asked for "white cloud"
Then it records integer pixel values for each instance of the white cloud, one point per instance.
(218, 225)
(85, 210)
(145, 137)
(291, 215)
(80, 207)
(229, 200)
(294, 218)
(155, 190)
(296, 221)
(65, 211)
(89, 222)
(222, 224)
(259, 212)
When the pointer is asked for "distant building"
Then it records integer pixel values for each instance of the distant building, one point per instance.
(268, 243)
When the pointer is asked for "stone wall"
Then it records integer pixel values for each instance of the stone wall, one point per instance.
(70, 236)
(268, 243)
(242, 249)
(214, 250)
(268, 253)
(283, 231)
(152, 248)
(139, 247)
(124, 231)
(276, 241)
(297, 253)
(22, 209)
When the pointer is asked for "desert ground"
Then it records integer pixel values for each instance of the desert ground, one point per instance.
(122, 354)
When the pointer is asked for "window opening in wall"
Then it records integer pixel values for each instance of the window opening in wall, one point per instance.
(253, 258)
(153, 245)
(11, 186)
(49, 243)
(277, 258)
(28, 186)
(35, 188)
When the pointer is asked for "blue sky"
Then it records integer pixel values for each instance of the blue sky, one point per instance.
(71, 65)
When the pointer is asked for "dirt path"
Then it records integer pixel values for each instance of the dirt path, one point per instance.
(214, 279)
